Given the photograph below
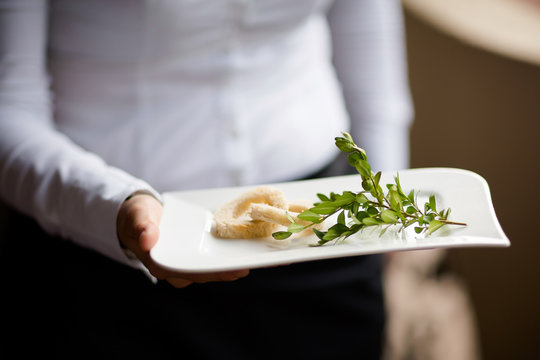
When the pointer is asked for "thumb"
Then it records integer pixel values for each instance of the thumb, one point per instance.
(148, 237)
(138, 223)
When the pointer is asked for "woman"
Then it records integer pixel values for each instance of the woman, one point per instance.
(106, 104)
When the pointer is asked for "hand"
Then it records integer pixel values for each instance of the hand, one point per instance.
(137, 225)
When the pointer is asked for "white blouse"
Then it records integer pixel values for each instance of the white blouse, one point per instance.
(101, 98)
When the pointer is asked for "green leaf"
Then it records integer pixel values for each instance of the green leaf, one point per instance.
(410, 210)
(369, 221)
(377, 178)
(361, 198)
(377, 193)
(346, 198)
(344, 145)
(335, 231)
(323, 197)
(318, 233)
(354, 229)
(389, 216)
(281, 235)
(362, 214)
(295, 228)
(358, 160)
(434, 225)
(367, 184)
(341, 218)
(347, 136)
(363, 168)
(324, 208)
(353, 158)
(309, 215)
(411, 197)
(355, 208)
(395, 200)
(330, 236)
(418, 229)
(398, 185)
(445, 214)
(432, 203)
(289, 217)
(372, 211)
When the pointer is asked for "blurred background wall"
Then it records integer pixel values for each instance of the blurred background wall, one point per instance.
(478, 108)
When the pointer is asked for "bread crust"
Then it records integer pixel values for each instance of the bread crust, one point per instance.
(258, 213)
(232, 220)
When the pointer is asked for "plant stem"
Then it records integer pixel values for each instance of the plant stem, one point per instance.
(448, 222)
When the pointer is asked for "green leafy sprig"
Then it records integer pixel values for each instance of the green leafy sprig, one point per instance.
(369, 207)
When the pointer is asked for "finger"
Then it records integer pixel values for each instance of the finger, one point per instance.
(148, 237)
(179, 283)
(135, 216)
(182, 280)
(237, 274)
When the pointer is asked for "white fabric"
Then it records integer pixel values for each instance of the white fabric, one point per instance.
(101, 98)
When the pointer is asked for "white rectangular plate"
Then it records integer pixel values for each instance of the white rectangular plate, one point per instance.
(186, 242)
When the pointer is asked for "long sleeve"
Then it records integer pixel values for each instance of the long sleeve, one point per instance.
(69, 191)
(369, 56)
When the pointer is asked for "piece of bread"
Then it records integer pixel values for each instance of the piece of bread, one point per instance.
(233, 221)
